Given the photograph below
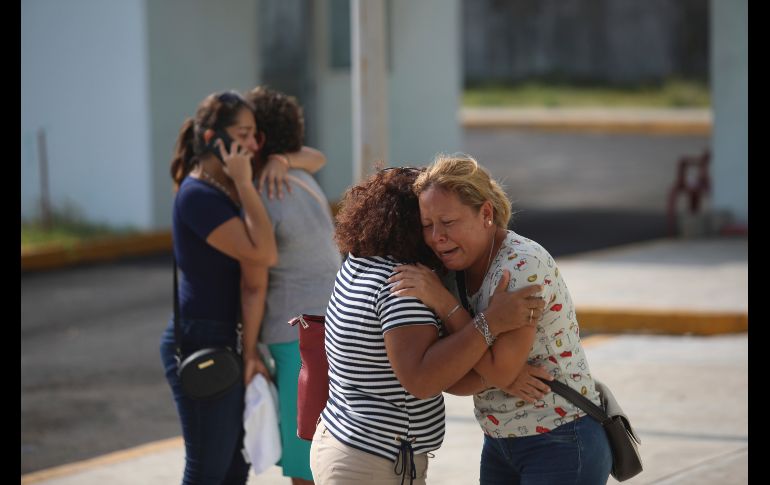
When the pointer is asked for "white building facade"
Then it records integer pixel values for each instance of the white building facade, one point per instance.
(110, 83)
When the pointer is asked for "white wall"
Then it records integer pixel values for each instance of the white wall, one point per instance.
(426, 80)
(197, 47)
(333, 91)
(730, 98)
(425, 89)
(112, 81)
(84, 80)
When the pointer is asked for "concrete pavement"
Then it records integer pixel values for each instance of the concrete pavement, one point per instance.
(687, 395)
(674, 286)
(687, 398)
(676, 390)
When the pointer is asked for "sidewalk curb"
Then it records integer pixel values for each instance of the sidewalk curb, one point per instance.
(101, 250)
(674, 322)
(655, 122)
(593, 319)
(103, 460)
(107, 249)
(588, 126)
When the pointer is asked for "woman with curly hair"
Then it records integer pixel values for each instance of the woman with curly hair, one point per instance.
(308, 260)
(387, 362)
(283, 157)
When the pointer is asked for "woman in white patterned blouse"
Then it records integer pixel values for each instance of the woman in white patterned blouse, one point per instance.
(530, 437)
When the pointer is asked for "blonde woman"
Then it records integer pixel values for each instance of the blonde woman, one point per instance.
(527, 439)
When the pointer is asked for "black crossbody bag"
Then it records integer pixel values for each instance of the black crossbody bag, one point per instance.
(626, 461)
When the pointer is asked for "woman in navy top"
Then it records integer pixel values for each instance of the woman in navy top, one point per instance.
(221, 233)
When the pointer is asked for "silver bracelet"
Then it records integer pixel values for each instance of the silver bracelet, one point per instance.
(480, 322)
(446, 318)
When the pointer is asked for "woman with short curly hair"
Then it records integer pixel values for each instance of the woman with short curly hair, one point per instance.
(387, 362)
(376, 218)
(282, 126)
(308, 260)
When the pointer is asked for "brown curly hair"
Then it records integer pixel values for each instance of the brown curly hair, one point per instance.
(381, 217)
(280, 118)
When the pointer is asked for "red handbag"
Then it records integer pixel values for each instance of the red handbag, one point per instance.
(313, 382)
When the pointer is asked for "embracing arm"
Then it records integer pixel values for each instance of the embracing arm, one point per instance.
(527, 385)
(506, 359)
(249, 239)
(307, 159)
(503, 362)
(468, 385)
(278, 164)
(426, 365)
(253, 294)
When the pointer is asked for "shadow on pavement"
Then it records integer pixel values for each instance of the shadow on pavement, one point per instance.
(565, 232)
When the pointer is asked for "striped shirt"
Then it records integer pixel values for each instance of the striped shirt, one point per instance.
(368, 408)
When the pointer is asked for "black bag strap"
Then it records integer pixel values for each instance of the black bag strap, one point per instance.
(324, 205)
(177, 329)
(177, 310)
(559, 388)
(578, 400)
(460, 280)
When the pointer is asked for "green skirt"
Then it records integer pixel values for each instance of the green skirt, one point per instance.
(295, 456)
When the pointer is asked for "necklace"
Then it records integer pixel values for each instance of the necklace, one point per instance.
(219, 185)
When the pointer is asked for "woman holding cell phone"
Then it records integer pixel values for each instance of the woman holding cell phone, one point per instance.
(220, 230)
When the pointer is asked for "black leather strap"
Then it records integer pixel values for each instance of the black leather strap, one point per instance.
(177, 310)
(460, 280)
(577, 399)
(559, 388)
(177, 329)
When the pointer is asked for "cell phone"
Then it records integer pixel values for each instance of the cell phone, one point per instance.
(227, 141)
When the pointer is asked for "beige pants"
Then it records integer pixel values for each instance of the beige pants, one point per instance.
(335, 463)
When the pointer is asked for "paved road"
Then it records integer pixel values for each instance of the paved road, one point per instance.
(580, 170)
(90, 366)
(580, 192)
(91, 376)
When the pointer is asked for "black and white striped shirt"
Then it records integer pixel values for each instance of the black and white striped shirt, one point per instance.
(368, 408)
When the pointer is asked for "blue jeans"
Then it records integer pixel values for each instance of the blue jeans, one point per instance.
(576, 453)
(212, 430)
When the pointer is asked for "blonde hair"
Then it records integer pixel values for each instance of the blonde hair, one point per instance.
(461, 174)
